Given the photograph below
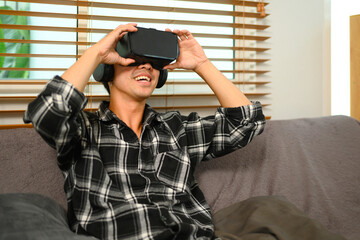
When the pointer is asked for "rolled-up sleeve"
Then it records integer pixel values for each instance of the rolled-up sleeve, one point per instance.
(229, 129)
(54, 114)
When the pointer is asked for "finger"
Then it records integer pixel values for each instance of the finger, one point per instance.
(182, 37)
(126, 26)
(167, 30)
(125, 61)
(132, 24)
(122, 34)
(121, 30)
(176, 31)
(187, 34)
(130, 27)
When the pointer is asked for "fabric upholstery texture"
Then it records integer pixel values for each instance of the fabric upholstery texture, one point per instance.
(313, 162)
(28, 165)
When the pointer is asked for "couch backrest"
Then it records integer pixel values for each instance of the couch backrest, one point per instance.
(28, 165)
(314, 163)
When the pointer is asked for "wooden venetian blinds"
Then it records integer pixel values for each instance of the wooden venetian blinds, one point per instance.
(42, 38)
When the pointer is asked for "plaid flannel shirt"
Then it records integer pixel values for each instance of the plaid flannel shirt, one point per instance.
(121, 187)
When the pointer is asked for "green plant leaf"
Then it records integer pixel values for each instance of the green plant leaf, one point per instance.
(7, 19)
(2, 47)
(21, 62)
(22, 20)
(9, 34)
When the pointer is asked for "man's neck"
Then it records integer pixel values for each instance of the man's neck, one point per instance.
(130, 112)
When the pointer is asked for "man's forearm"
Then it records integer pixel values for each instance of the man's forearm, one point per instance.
(226, 92)
(79, 73)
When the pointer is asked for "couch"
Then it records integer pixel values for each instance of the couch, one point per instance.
(312, 162)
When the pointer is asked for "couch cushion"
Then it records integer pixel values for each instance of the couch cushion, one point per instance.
(32, 216)
(313, 162)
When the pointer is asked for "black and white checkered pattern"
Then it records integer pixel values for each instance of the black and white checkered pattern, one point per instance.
(122, 187)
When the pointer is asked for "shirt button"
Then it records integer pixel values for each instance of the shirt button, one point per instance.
(246, 122)
(165, 220)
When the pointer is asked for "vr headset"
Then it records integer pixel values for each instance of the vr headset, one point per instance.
(159, 48)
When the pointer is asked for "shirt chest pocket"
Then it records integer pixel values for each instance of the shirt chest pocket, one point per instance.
(173, 168)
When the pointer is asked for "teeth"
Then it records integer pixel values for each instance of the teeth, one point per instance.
(142, 78)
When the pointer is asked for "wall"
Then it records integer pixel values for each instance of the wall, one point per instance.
(300, 58)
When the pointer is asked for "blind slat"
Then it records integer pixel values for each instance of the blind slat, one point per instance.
(131, 19)
(148, 8)
(12, 126)
(233, 71)
(64, 69)
(104, 97)
(38, 55)
(169, 82)
(232, 2)
(77, 56)
(105, 31)
(33, 69)
(255, 49)
(45, 42)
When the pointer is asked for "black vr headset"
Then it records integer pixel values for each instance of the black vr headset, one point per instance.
(152, 46)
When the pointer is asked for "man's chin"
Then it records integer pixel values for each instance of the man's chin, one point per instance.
(143, 96)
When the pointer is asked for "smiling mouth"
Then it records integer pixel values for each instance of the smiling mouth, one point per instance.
(143, 79)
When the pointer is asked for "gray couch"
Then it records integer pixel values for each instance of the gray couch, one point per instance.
(314, 163)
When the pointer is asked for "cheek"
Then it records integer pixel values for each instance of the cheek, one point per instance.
(157, 75)
(121, 75)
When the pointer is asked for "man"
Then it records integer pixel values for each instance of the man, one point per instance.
(128, 169)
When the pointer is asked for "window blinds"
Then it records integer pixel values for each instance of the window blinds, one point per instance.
(41, 38)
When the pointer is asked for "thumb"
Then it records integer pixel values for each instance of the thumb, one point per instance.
(124, 61)
(171, 66)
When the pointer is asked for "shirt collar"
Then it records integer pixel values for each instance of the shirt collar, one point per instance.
(106, 115)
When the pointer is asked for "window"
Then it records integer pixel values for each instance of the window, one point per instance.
(53, 34)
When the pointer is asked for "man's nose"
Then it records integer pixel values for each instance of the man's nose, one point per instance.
(147, 66)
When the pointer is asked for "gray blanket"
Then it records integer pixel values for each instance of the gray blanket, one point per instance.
(33, 217)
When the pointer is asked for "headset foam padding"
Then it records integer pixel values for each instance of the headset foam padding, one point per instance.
(162, 78)
(104, 73)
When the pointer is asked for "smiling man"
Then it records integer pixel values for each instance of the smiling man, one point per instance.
(128, 169)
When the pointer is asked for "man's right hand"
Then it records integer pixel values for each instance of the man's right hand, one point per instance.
(106, 46)
(102, 52)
